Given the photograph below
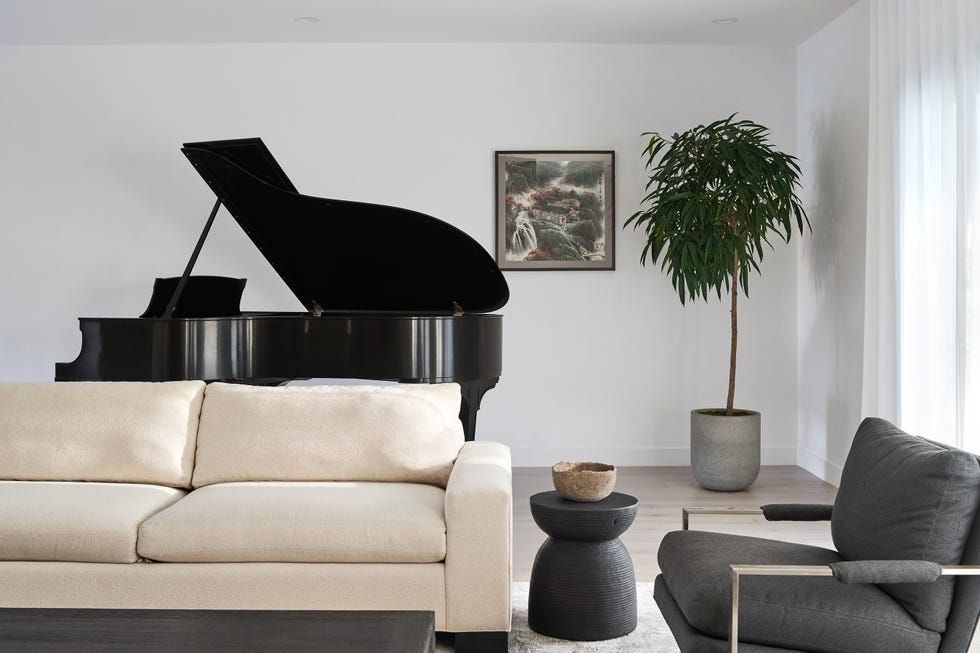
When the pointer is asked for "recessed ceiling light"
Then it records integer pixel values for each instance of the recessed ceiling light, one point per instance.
(307, 19)
(724, 21)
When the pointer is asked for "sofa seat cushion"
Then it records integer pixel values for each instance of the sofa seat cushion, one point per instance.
(300, 522)
(76, 522)
(407, 433)
(812, 614)
(113, 432)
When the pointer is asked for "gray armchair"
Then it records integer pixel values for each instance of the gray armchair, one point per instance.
(904, 577)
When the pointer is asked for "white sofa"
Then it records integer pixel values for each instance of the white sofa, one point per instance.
(181, 495)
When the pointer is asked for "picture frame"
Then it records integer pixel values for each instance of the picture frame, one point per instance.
(555, 209)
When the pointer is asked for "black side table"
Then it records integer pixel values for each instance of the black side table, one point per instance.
(582, 583)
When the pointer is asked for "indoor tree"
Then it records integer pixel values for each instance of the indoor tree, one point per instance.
(716, 195)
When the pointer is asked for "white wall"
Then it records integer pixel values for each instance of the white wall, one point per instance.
(832, 120)
(96, 201)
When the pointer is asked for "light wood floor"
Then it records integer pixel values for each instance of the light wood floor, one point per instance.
(662, 492)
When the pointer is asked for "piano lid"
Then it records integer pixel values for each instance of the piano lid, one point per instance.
(342, 256)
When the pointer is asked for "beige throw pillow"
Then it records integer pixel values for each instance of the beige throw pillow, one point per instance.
(99, 431)
(400, 433)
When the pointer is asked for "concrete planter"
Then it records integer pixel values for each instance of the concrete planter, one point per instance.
(725, 450)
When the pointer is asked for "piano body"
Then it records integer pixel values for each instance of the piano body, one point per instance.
(391, 294)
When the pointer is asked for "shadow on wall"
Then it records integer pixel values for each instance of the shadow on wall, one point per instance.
(822, 249)
(833, 260)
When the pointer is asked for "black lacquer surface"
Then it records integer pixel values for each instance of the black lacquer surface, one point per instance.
(349, 256)
(392, 295)
(274, 348)
(284, 346)
(201, 297)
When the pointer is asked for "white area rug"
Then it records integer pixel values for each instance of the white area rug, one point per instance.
(651, 635)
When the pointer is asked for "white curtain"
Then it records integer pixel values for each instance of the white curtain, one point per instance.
(922, 286)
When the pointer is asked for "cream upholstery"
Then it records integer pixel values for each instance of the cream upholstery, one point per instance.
(220, 586)
(479, 519)
(331, 498)
(82, 522)
(123, 432)
(300, 522)
(402, 433)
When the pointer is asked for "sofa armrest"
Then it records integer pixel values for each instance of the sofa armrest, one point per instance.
(478, 539)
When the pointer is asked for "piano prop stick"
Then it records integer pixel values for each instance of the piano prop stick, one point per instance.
(172, 304)
(389, 294)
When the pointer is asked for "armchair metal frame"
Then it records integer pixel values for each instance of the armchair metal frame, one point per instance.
(737, 571)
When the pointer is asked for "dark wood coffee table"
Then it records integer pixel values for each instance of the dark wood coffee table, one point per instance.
(192, 631)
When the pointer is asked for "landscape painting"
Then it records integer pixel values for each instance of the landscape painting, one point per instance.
(555, 210)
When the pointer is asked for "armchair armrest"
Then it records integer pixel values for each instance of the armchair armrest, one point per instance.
(797, 511)
(771, 511)
(478, 539)
(687, 512)
(886, 571)
(861, 566)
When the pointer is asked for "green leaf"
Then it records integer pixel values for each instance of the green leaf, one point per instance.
(714, 191)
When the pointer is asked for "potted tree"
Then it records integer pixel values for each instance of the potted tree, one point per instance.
(716, 195)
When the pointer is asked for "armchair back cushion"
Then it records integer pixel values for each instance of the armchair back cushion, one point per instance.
(99, 431)
(399, 433)
(902, 497)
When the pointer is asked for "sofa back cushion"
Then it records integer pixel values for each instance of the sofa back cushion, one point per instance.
(99, 431)
(902, 497)
(401, 433)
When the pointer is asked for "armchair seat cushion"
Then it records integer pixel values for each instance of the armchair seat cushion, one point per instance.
(76, 522)
(343, 522)
(809, 613)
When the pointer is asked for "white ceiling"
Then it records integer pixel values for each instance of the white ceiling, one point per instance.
(759, 22)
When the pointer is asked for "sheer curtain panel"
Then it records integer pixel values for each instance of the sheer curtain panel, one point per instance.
(922, 318)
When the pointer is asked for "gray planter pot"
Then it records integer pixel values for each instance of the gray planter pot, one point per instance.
(725, 450)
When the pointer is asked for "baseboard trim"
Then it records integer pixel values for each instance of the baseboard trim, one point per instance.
(632, 456)
(819, 466)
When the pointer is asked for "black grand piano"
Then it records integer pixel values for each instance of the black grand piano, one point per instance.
(391, 294)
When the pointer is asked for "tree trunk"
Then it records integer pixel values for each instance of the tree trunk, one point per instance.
(729, 408)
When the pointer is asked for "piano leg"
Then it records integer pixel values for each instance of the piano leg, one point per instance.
(473, 392)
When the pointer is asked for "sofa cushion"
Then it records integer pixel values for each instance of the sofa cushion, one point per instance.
(812, 614)
(94, 431)
(300, 522)
(76, 522)
(905, 498)
(400, 433)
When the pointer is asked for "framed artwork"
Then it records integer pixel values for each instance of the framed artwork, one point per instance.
(555, 210)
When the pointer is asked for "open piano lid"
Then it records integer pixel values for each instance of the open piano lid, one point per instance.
(341, 256)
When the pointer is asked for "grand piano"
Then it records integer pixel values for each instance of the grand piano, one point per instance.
(390, 294)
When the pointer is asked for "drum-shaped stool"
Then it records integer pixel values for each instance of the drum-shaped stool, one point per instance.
(582, 583)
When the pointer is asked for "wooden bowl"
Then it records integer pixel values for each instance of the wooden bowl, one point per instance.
(583, 482)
